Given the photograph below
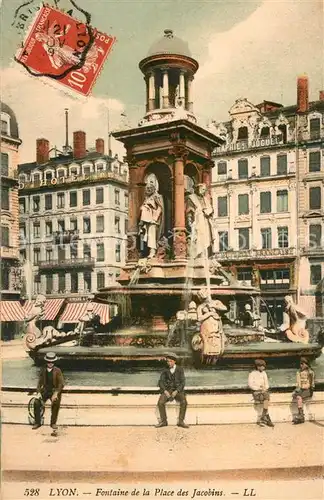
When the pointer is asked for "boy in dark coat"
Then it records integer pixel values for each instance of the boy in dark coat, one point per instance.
(50, 386)
(171, 383)
(305, 385)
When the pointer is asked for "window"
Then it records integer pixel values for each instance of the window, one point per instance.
(315, 161)
(73, 224)
(74, 282)
(86, 197)
(117, 225)
(73, 172)
(74, 251)
(86, 225)
(315, 235)
(126, 200)
(48, 228)
(283, 241)
(61, 253)
(100, 280)
(277, 277)
(48, 176)
(244, 274)
(60, 200)
(36, 230)
(86, 170)
(223, 241)
(5, 164)
(282, 200)
(99, 196)
(244, 238)
(48, 202)
(60, 174)
(36, 203)
(242, 134)
(315, 274)
(100, 167)
(265, 166)
(283, 129)
(5, 278)
(49, 254)
(36, 179)
(87, 281)
(315, 128)
(222, 206)
(22, 231)
(22, 255)
(117, 252)
(86, 251)
(22, 205)
(265, 202)
(243, 204)
(265, 132)
(243, 171)
(117, 197)
(61, 226)
(315, 201)
(266, 237)
(281, 164)
(222, 168)
(4, 198)
(4, 126)
(36, 256)
(100, 252)
(100, 223)
(61, 282)
(126, 226)
(73, 198)
(5, 236)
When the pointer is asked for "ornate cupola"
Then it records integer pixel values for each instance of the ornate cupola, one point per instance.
(169, 71)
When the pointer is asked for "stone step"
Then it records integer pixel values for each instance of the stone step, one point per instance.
(82, 409)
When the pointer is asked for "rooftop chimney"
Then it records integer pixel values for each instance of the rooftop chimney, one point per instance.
(100, 146)
(79, 144)
(302, 93)
(321, 95)
(42, 151)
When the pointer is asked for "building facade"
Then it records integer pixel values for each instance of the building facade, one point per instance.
(258, 177)
(10, 269)
(73, 220)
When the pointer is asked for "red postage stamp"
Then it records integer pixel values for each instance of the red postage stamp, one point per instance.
(60, 47)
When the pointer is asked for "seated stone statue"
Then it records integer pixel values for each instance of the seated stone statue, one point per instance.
(150, 218)
(294, 325)
(248, 318)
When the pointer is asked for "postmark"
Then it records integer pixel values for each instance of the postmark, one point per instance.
(64, 49)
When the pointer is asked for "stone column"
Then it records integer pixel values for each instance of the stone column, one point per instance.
(133, 209)
(179, 226)
(231, 216)
(253, 211)
(55, 283)
(151, 92)
(68, 282)
(147, 93)
(165, 89)
(182, 86)
(207, 174)
(190, 102)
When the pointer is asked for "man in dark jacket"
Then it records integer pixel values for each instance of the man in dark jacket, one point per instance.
(50, 386)
(171, 383)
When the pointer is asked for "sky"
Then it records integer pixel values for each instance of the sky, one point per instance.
(252, 48)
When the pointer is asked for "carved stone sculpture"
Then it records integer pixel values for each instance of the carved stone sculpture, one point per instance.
(151, 213)
(294, 325)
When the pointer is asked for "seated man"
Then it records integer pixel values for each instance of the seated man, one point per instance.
(171, 383)
(304, 389)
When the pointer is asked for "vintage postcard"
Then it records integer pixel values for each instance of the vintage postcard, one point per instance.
(162, 249)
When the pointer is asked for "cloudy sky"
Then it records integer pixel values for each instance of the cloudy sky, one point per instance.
(248, 48)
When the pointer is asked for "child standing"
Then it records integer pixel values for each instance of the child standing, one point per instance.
(259, 385)
(304, 389)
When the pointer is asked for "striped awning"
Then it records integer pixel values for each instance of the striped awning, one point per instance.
(51, 308)
(75, 310)
(11, 310)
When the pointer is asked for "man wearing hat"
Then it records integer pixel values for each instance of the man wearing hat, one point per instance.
(304, 389)
(259, 385)
(50, 386)
(172, 383)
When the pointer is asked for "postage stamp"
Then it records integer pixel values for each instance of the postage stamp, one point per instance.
(60, 47)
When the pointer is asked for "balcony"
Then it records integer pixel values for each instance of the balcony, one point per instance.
(46, 265)
(253, 254)
(313, 251)
(61, 237)
(75, 179)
